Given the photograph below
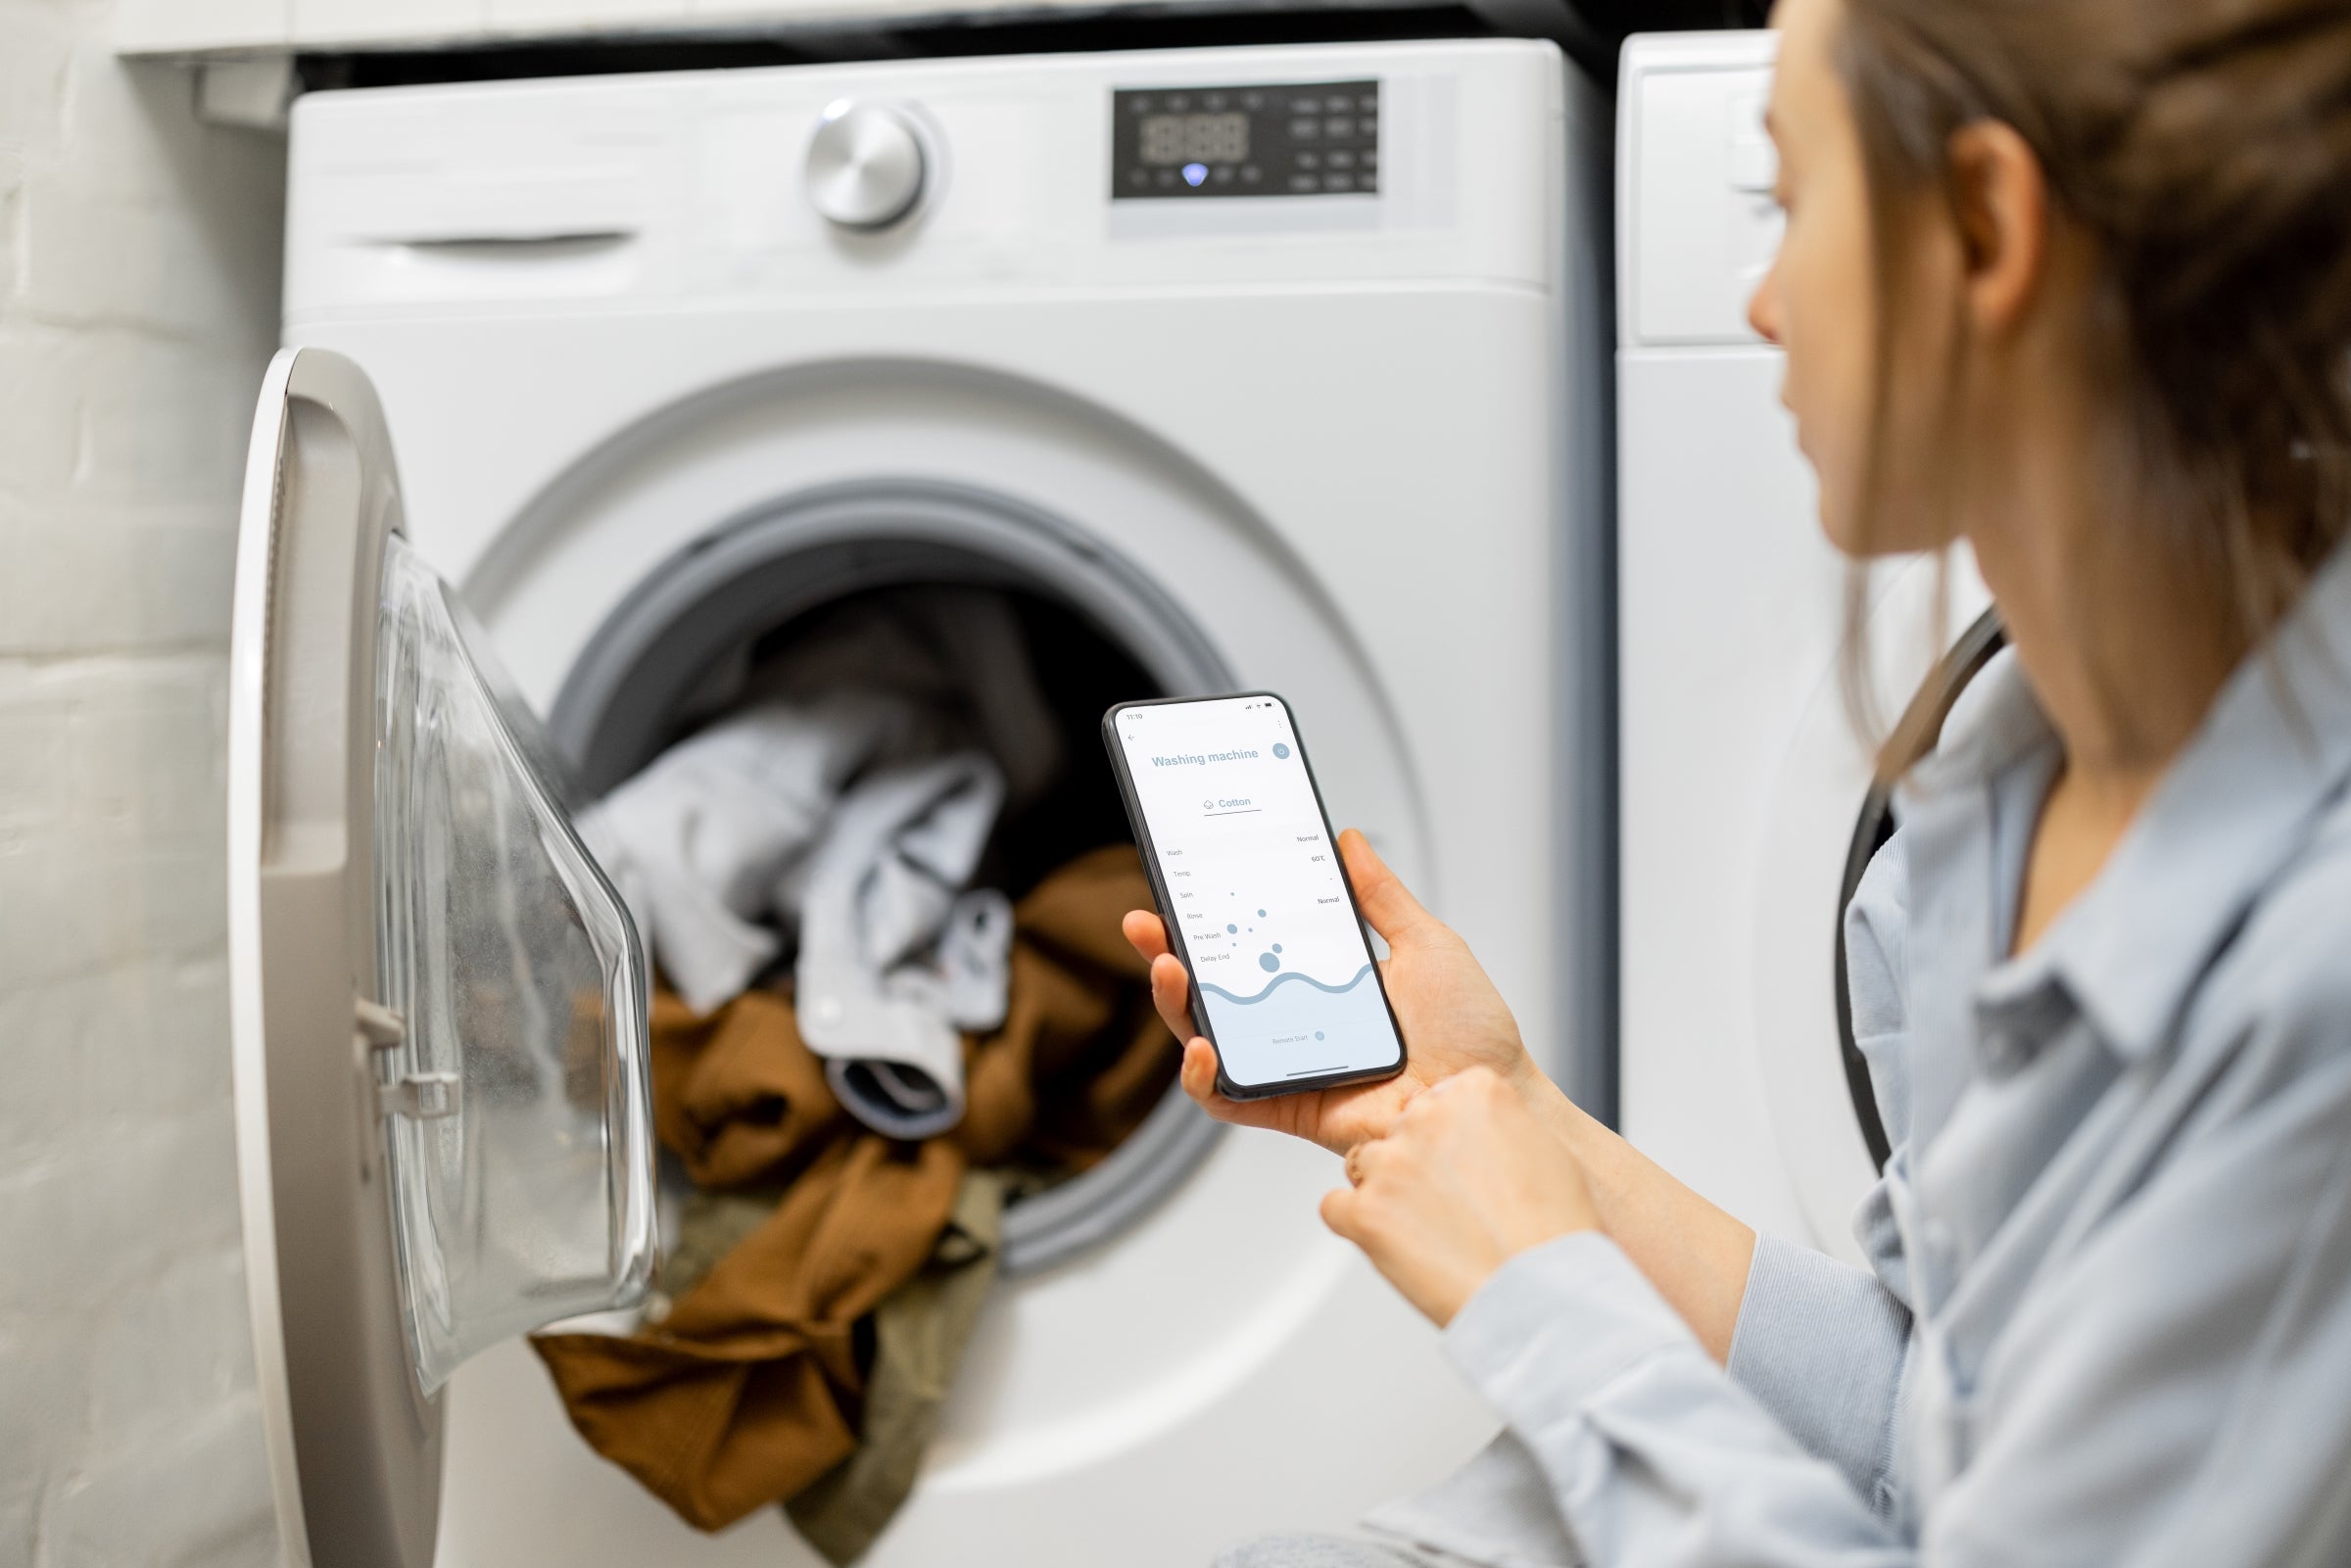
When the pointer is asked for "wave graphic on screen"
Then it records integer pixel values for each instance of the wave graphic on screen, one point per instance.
(1280, 980)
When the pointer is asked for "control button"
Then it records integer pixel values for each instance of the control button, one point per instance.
(1136, 176)
(1212, 103)
(1251, 173)
(1337, 104)
(1366, 182)
(1302, 184)
(1253, 100)
(1340, 158)
(1338, 127)
(1167, 179)
(1224, 175)
(865, 166)
(1178, 103)
(1338, 182)
(1304, 130)
(1314, 161)
(1368, 103)
(1306, 105)
(1139, 104)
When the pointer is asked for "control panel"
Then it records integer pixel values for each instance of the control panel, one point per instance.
(1695, 189)
(1409, 164)
(1301, 139)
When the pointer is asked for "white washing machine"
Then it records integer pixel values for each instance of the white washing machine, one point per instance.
(1245, 368)
(1748, 810)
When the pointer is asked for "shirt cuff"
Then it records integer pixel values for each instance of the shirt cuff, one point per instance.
(1821, 1345)
(1557, 1324)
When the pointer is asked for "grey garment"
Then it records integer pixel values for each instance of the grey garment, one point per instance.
(1317, 1552)
(2107, 1317)
(709, 843)
(893, 961)
(701, 841)
(956, 655)
(758, 820)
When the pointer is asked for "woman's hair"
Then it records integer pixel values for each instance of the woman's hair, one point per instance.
(2205, 147)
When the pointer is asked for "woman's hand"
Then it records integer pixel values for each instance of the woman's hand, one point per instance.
(1467, 1180)
(1453, 1018)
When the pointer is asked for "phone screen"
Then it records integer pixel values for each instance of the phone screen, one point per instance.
(1252, 880)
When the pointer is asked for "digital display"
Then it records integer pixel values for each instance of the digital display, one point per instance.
(1284, 972)
(1261, 139)
(1195, 139)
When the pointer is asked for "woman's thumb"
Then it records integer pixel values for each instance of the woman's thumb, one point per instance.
(1382, 894)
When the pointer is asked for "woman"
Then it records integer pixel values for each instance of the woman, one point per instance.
(2069, 280)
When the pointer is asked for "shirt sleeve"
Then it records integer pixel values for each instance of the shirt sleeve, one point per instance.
(1822, 1346)
(1653, 1453)
(2176, 1393)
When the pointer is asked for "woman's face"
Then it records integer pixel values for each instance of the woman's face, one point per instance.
(1816, 300)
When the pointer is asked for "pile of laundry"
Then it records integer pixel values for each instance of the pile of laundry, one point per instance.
(858, 1059)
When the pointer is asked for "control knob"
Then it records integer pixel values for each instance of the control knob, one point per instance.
(865, 166)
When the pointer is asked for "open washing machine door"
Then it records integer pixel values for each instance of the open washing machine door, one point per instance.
(437, 1002)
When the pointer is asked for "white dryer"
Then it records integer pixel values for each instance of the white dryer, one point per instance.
(1252, 368)
(1747, 809)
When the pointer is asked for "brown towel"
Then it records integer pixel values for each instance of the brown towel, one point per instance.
(749, 1389)
(920, 1332)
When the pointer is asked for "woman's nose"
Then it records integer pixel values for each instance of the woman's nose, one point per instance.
(1763, 307)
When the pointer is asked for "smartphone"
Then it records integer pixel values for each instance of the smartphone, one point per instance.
(1243, 863)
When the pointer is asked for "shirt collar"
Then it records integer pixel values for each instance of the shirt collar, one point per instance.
(2226, 815)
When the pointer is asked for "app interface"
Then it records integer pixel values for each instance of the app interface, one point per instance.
(1252, 880)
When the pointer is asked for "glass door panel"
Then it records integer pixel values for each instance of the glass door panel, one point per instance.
(513, 1100)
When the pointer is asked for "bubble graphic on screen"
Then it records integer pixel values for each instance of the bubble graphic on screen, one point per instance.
(1281, 751)
(1261, 914)
(1317, 1034)
(1268, 961)
(1276, 947)
(1233, 928)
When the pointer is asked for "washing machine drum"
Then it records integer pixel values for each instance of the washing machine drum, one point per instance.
(686, 639)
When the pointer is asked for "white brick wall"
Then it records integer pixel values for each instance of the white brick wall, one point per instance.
(139, 285)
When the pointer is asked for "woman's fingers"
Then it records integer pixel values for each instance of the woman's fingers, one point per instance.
(1171, 994)
(1200, 1071)
(1342, 1210)
(1199, 1079)
(1361, 1159)
(1170, 987)
(1385, 901)
(1145, 933)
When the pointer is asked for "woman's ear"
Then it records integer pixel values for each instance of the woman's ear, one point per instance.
(2001, 204)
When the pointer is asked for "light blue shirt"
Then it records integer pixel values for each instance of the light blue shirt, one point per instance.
(2107, 1316)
